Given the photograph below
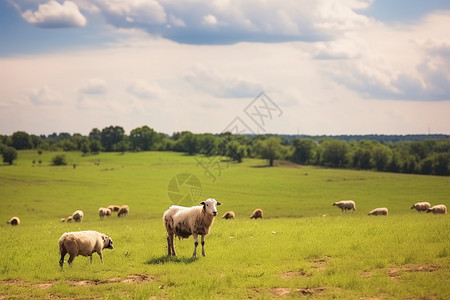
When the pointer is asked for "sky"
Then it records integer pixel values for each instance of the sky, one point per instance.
(324, 67)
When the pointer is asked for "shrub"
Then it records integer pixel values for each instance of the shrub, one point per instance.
(59, 160)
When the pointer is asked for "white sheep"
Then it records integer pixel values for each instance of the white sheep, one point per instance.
(228, 215)
(83, 243)
(123, 211)
(382, 211)
(102, 212)
(257, 213)
(421, 206)
(345, 205)
(186, 221)
(438, 209)
(77, 216)
(114, 208)
(69, 219)
(14, 221)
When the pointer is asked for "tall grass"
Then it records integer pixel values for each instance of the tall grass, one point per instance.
(304, 246)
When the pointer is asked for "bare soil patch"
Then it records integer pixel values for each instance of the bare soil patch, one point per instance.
(298, 292)
(395, 272)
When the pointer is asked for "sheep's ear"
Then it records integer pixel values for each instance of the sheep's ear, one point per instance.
(202, 203)
(219, 203)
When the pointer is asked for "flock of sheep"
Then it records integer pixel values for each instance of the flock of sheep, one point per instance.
(181, 222)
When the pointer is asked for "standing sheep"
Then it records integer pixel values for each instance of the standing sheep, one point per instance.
(114, 208)
(383, 211)
(83, 243)
(102, 212)
(257, 213)
(123, 211)
(77, 216)
(14, 221)
(438, 209)
(186, 221)
(228, 215)
(345, 205)
(421, 206)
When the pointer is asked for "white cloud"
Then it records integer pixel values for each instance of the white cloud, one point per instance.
(209, 20)
(211, 82)
(44, 96)
(144, 90)
(54, 15)
(94, 86)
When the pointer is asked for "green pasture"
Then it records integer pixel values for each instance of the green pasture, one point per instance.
(304, 247)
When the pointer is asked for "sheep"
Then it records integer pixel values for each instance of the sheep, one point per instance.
(123, 211)
(77, 216)
(186, 221)
(14, 221)
(69, 219)
(438, 209)
(104, 212)
(257, 213)
(421, 206)
(83, 243)
(114, 208)
(345, 205)
(62, 220)
(383, 211)
(228, 215)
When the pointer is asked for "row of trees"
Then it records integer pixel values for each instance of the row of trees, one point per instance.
(428, 156)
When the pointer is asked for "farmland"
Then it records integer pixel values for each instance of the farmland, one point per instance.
(303, 247)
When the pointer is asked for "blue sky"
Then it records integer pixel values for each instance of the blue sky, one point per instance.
(333, 67)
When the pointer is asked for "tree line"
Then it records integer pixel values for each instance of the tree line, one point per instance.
(415, 156)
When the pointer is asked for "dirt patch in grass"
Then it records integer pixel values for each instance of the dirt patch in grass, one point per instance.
(295, 274)
(395, 272)
(133, 278)
(296, 292)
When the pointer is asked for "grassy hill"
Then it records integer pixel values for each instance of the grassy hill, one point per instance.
(303, 247)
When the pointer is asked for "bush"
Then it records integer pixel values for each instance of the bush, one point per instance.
(59, 160)
(9, 155)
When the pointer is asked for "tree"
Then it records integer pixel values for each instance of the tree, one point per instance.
(21, 140)
(381, 156)
(303, 150)
(110, 136)
(143, 138)
(95, 146)
(59, 160)
(269, 149)
(334, 152)
(236, 151)
(9, 155)
(187, 142)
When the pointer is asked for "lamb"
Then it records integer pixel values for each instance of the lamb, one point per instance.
(345, 205)
(14, 221)
(62, 220)
(257, 213)
(114, 208)
(421, 206)
(228, 215)
(69, 219)
(102, 212)
(438, 209)
(83, 243)
(186, 221)
(383, 211)
(123, 211)
(77, 216)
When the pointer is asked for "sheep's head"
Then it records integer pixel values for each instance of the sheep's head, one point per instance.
(210, 206)
(107, 242)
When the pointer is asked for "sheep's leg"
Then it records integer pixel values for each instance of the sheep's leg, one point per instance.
(71, 258)
(61, 261)
(101, 256)
(90, 258)
(203, 244)
(170, 245)
(195, 244)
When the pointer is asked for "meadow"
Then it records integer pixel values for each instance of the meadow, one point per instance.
(304, 247)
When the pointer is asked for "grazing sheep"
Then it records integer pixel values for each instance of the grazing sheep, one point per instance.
(438, 209)
(383, 211)
(421, 206)
(123, 211)
(14, 221)
(114, 208)
(228, 215)
(186, 221)
(83, 243)
(257, 213)
(69, 219)
(62, 220)
(345, 205)
(104, 212)
(77, 216)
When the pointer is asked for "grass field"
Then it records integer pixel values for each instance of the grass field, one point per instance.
(304, 247)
